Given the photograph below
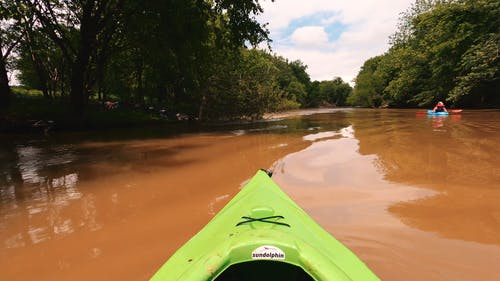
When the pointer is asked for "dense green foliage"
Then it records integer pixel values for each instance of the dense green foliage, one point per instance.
(442, 50)
(194, 57)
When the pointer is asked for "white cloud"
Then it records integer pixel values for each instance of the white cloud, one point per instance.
(326, 65)
(367, 27)
(310, 36)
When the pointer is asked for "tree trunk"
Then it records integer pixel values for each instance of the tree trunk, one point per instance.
(201, 110)
(139, 91)
(76, 92)
(5, 94)
(88, 33)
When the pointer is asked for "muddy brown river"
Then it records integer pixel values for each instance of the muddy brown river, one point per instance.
(415, 197)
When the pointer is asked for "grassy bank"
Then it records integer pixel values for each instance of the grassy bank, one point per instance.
(30, 111)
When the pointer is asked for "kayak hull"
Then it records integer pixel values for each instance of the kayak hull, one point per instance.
(262, 232)
(432, 113)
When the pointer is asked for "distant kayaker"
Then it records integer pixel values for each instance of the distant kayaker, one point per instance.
(440, 107)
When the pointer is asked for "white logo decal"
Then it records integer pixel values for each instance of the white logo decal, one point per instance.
(268, 253)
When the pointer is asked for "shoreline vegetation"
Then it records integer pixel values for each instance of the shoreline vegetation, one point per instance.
(36, 115)
(33, 114)
(126, 70)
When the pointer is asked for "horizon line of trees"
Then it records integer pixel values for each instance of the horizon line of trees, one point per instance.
(190, 56)
(443, 50)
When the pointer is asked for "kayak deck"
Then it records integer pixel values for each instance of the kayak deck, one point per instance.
(262, 233)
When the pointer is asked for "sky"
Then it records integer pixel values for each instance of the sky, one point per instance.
(332, 37)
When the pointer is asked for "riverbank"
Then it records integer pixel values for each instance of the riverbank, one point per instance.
(37, 115)
(301, 112)
(94, 120)
(31, 113)
(34, 114)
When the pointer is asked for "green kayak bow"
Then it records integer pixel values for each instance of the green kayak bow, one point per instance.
(261, 234)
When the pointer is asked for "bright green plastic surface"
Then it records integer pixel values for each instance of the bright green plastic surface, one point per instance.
(303, 243)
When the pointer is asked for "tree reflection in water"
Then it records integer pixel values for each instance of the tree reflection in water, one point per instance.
(33, 185)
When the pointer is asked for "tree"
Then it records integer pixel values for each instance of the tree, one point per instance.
(4, 81)
(313, 94)
(296, 91)
(40, 62)
(334, 92)
(479, 73)
(188, 56)
(442, 50)
(299, 70)
(10, 36)
(240, 20)
(369, 87)
(76, 28)
(406, 27)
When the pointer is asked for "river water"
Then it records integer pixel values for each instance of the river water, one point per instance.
(415, 197)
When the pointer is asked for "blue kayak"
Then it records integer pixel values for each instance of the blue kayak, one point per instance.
(441, 113)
